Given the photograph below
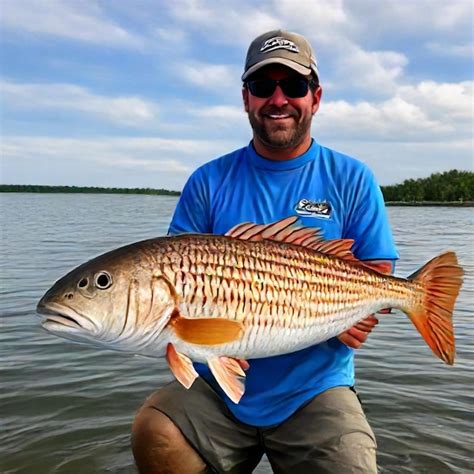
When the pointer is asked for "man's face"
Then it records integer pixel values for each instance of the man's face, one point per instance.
(280, 122)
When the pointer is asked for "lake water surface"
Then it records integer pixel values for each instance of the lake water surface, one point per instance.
(68, 408)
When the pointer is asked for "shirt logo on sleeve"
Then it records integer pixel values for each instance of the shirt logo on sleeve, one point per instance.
(308, 208)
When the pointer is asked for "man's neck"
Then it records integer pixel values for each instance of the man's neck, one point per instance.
(279, 154)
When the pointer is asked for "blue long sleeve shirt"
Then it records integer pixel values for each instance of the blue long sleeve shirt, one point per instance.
(326, 189)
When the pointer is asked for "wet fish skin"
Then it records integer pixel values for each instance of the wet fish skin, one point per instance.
(257, 292)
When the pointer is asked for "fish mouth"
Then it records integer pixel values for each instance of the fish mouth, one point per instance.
(57, 317)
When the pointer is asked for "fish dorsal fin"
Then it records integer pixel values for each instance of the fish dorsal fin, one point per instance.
(285, 231)
(281, 231)
(340, 248)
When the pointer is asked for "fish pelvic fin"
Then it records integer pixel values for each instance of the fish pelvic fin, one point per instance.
(229, 375)
(207, 331)
(181, 366)
(441, 280)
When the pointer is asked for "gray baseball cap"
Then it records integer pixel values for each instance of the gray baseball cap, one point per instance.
(281, 47)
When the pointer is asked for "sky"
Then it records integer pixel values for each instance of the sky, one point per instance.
(139, 93)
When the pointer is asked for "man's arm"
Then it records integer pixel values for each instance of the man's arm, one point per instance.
(193, 208)
(358, 334)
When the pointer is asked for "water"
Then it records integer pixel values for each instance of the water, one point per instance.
(68, 408)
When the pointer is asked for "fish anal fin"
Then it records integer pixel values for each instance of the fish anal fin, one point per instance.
(181, 366)
(229, 375)
(206, 331)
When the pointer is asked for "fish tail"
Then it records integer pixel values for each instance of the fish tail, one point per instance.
(440, 280)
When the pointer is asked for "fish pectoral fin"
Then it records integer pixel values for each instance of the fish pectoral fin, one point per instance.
(206, 331)
(181, 366)
(229, 375)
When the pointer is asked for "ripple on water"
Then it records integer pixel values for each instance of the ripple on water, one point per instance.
(68, 408)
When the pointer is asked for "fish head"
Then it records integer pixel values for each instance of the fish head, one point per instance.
(116, 300)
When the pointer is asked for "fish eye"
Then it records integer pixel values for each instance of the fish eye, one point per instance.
(103, 280)
(83, 283)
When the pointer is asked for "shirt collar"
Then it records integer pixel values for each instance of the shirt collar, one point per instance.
(264, 163)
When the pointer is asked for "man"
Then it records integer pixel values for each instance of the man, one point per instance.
(299, 408)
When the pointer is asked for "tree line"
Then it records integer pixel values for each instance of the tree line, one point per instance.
(450, 186)
(29, 188)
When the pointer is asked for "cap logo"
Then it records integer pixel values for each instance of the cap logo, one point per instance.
(279, 43)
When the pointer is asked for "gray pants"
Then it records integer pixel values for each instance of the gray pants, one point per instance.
(329, 434)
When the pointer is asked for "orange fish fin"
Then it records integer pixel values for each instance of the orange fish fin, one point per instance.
(206, 331)
(229, 375)
(285, 231)
(340, 248)
(441, 280)
(281, 231)
(181, 366)
(381, 266)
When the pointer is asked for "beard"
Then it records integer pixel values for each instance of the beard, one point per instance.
(280, 136)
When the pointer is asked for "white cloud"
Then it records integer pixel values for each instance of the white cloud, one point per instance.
(77, 20)
(170, 35)
(146, 153)
(425, 112)
(322, 21)
(222, 113)
(393, 162)
(451, 102)
(411, 18)
(394, 119)
(327, 23)
(464, 50)
(210, 76)
(125, 110)
(131, 162)
(230, 22)
(374, 71)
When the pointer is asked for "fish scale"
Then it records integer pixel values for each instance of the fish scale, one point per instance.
(316, 287)
(260, 290)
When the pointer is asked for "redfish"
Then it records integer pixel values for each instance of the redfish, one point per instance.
(258, 291)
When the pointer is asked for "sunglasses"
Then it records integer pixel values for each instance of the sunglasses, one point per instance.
(293, 87)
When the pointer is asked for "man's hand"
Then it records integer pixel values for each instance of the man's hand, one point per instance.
(357, 335)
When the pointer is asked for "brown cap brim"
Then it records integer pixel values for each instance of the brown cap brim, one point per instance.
(305, 71)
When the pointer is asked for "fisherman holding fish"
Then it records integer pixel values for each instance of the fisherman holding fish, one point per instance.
(299, 408)
(277, 254)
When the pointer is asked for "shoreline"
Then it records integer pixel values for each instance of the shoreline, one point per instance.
(430, 204)
(7, 189)
(44, 189)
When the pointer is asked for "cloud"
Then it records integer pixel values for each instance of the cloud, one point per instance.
(408, 19)
(394, 119)
(328, 24)
(393, 162)
(129, 162)
(146, 153)
(226, 113)
(464, 50)
(81, 20)
(228, 22)
(215, 77)
(375, 71)
(124, 110)
(420, 113)
(450, 102)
